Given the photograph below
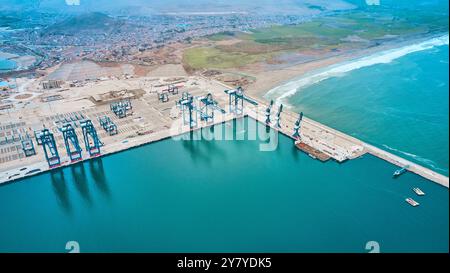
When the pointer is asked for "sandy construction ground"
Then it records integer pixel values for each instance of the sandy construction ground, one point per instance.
(88, 70)
(168, 70)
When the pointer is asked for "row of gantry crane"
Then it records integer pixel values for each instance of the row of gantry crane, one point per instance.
(190, 106)
(46, 138)
(206, 106)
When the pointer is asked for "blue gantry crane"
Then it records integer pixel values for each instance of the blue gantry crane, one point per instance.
(28, 146)
(71, 141)
(189, 111)
(172, 89)
(297, 125)
(90, 136)
(51, 151)
(37, 136)
(163, 96)
(236, 100)
(268, 112)
(108, 125)
(121, 107)
(207, 107)
(278, 117)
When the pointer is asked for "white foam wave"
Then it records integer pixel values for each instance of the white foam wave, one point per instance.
(402, 152)
(425, 161)
(290, 88)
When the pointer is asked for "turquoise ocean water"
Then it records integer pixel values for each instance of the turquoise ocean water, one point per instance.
(397, 100)
(203, 196)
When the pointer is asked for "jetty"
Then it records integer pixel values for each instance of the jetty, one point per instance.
(340, 146)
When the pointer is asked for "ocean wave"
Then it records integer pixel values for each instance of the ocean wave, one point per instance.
(290, 88)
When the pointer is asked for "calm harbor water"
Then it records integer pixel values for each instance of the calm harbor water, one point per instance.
(398, 104)
(204, 196)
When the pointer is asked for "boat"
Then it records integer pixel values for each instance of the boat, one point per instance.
(312, 152)
(401, 171)
(418, 191)
(412, 202)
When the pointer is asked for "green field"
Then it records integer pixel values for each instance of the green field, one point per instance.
(355, 29)
(209, 57)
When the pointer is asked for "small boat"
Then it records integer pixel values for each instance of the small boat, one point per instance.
(418, 191)
(412, 202)
(401, 171)
(312, 156)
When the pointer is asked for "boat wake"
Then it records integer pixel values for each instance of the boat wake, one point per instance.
(290, 88)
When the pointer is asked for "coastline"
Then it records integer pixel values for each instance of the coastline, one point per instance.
(280, 93)
(269, 80)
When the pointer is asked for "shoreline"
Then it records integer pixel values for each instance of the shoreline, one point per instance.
(292, 86)
(271, 79)
(381, 57)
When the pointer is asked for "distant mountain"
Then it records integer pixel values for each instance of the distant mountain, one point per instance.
(297, 7)
(88, 22)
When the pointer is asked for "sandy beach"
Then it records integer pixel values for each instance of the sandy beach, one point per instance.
(267, 80)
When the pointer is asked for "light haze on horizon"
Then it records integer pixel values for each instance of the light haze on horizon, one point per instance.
(172, 5)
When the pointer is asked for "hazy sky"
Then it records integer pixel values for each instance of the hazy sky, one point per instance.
(173, 5)
(150, 6)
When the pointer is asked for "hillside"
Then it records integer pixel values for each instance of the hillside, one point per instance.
(89, 22)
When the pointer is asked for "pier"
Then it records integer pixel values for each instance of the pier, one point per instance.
(151, 119)
(413, 167)
(340, 146)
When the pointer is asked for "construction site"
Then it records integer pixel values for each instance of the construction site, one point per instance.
(50, 124)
